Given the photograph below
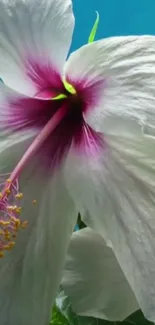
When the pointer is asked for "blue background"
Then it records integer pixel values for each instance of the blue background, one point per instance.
(117, 17)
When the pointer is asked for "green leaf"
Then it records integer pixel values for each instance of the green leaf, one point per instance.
(94, 29)
(64, 305)
(80, 223)
(64, 315)
(58, 318)
(136, 319)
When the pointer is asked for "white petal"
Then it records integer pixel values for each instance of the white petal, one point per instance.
(37, 29)
(31, 273)
(126, 99)
(94, 281)
(118, 188)
(118, 191)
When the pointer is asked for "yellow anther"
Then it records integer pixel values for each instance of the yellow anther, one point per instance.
(6, 232)
(1, 254)
(7, 191)
(13, 219)
(24, 224)
(8, 180)
(18, 210)
(12, 207)
(7, 237)
(10, 223)
(4, 223)
(11, 244)
(34, 201)
(17, 222)
(7, 247)
(19, 195)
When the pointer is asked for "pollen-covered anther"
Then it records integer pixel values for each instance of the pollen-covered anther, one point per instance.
(10, 219)
(4, 223)
(1, 254)
(18, 210)
(19, 196)
(12, 207)
(7, 191)
(8, 180)
(24, 224)
(10, 245)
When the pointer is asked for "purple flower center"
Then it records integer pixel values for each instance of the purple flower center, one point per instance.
(71, 129)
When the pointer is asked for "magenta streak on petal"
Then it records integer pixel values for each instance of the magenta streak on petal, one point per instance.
(26, 113)
(90, 91)
(46, 79)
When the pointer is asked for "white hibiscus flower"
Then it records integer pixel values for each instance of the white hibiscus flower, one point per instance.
(75, 136)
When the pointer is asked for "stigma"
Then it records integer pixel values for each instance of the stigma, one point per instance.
(10, 215)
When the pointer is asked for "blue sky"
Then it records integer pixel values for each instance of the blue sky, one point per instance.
(117, 17)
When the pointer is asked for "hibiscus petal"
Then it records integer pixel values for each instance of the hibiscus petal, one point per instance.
(33, 29)
(13, 107)
(117, 188)
(94, 280)
(118, 191)
(125, 100)
(31, 272)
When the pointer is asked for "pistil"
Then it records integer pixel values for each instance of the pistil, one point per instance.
(38, 141)
(10, 221)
